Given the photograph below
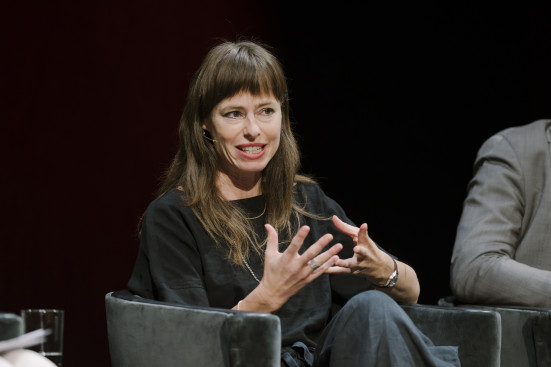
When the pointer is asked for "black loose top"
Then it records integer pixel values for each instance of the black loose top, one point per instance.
(178, 262)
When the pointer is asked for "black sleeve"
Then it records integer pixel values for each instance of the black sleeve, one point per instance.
(168, 266)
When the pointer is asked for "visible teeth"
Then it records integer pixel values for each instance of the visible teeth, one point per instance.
(252, 150)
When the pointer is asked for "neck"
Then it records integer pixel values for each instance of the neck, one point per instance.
(239, 188)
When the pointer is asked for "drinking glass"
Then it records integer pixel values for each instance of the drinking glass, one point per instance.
(53, 319)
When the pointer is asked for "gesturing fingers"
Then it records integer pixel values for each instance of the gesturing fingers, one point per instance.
(297, 241)
(362, 233)
(338, 270)
(306, 266)
(312, 262)
(316, 248)
(324, 259)
(345, 228)
(272, 242)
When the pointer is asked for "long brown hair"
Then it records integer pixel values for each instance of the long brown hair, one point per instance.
(226, 70)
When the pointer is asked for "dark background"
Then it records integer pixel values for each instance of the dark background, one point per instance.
(390, 104)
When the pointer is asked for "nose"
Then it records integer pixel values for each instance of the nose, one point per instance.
(251, 129)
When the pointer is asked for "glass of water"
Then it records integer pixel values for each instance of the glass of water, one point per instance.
(52, 319)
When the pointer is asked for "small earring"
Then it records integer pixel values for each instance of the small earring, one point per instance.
(206, 134)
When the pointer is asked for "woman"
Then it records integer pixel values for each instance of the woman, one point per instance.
(236, 226)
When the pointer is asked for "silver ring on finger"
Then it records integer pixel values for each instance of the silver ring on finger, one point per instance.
(314, 265)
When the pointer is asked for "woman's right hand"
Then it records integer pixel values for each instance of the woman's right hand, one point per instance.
(287, 273)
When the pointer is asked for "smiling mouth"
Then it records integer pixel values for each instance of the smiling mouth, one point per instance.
(252, 150)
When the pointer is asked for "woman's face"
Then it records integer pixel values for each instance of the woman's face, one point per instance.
(247, 130)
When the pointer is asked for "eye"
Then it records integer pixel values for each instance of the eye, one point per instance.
(233, 114)
(268, 111)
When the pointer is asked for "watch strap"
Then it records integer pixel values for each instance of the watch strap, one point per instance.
(393, 278)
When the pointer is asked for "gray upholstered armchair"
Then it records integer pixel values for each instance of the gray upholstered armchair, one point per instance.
(526, 332)
(148, 333)
(11, 325)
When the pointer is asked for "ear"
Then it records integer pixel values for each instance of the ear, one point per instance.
(204, 127)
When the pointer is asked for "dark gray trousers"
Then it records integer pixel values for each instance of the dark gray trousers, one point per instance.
(373, 330)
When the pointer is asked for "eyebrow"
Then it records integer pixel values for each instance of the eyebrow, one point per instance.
(262, 104)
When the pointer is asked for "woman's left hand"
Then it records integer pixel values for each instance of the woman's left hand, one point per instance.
(368, 260)
(376, 265)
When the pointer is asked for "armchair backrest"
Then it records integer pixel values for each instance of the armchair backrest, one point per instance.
(149, 333)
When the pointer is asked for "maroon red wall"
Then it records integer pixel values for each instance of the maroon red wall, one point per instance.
(91, 97)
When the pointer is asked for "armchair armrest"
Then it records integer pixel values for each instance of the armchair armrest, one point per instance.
(477, 333)
(144, 332)
(11, 325)
(526, 332)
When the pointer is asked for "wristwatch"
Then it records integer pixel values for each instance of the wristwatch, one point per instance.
(393, 278)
